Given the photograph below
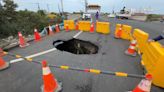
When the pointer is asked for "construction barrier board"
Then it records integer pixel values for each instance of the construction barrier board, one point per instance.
(70, 24)
(152, 56)
(84, 25)
(103, 27)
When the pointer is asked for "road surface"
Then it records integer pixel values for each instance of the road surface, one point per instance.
(26, 76)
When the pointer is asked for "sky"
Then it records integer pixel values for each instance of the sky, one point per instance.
(151, 6)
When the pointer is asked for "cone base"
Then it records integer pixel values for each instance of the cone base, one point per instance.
(127, 53)
(22, 46)
(116, 37)
(4, 66)
(2, 54)
(59, 88)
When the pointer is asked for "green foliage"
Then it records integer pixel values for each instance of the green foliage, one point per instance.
(12, 21)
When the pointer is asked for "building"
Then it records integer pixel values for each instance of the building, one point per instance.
(93, 8)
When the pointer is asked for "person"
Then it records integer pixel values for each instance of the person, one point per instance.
(158, 38)
(97, 16)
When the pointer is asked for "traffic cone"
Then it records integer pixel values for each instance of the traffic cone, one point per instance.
(67, 28)
(119, 32)
(77, 26)
(3, 64)
(22, 42)
(144, 85)
(50, 30)
(36, 35)
(57, 28)
(132, 48)
(50, 84)
(92, 28)
(1, 52)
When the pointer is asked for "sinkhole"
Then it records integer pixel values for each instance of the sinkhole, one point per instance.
(76, 46)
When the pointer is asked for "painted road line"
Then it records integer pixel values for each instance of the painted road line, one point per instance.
(41, 53)
(34, 55)
(77, 34)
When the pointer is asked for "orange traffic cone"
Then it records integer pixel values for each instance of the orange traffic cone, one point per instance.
(77, 26)
(49, 81)
(50, 30)
(119, 32)
(67, 27)
(22, 42)
(131, 50)
(1, 52)
(92, 28)
(3, 64)
(57, 28)
(36, 35)
(144, 85)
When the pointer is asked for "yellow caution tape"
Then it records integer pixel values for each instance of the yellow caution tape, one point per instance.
(18, 56)
(95, 71)
(29, 59)
(64, 67)
(121, 74)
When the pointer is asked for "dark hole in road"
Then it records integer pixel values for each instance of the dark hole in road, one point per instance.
(76, 46)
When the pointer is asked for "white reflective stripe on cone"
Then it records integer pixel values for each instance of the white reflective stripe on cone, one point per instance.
(20, 34)
(133, 42)
(46, 71)
(145, 85)
(35, 30)
(50, 28)
(132, 47)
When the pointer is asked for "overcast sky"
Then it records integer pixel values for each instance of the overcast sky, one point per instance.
(156, 6)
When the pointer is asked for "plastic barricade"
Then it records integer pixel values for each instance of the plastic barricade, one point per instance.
(103, 27)
(84, 25)
(152, 56)
(126, 31)
(70, 24)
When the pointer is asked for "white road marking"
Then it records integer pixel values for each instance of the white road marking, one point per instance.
(34, 55)
(40, 53)
(77, 34)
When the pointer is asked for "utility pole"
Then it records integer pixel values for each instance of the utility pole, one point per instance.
(38, 6)
(0, 5)
(48, 9)
(62, 6)
(86, 4)
(59, 8)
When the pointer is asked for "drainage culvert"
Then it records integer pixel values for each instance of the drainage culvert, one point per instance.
(76, 46)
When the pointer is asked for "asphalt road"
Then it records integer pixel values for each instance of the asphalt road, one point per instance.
(27, 76)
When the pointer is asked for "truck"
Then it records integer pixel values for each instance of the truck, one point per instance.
(123, 14)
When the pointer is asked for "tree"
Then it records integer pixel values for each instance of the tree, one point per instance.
(9, 9)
